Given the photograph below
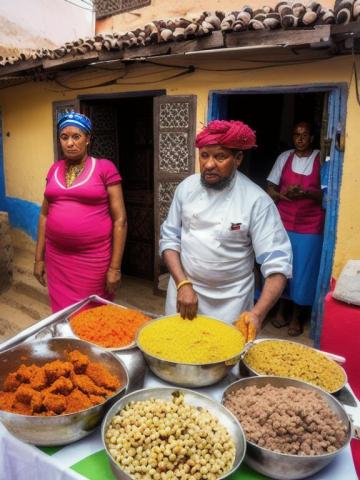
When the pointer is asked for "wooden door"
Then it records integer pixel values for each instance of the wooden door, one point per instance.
(136, 157)
(174, 158)
(123, 133)
(104, 137)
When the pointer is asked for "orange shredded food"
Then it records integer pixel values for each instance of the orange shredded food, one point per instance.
(108, 326)
(58, 387)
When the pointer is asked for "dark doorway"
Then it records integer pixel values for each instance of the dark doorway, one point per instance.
(273, 116)
(123, 133)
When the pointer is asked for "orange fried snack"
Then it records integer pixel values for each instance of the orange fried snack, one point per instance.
(62, 385)
(56, 369)
(38, 380)
(95, 399)
(36, 402)
(28, 396)
(54, 403)
(86, 385)
(101, 377)
(24, 394)
(56, 388)
(24, 373)
(77, 400)
(246, 327)
(11, 382)
(7, 400)
(79, 360)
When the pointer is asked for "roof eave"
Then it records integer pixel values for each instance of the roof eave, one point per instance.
(320, 36)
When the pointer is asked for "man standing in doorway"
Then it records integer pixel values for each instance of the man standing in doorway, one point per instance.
(294, 185)
(218, 223)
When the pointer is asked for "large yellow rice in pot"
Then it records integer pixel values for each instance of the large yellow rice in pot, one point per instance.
(198, 341)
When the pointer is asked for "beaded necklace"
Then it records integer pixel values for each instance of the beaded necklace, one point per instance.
(72, 172)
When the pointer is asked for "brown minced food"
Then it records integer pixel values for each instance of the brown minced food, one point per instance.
(287, 420)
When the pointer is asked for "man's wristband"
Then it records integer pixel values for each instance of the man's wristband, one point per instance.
(182, 283)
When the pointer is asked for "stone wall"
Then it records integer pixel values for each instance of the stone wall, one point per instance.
(6, 252)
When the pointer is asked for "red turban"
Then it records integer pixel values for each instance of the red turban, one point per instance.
(227, 133)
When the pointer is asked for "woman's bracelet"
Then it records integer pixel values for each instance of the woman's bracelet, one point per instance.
(38, 261)
(115, 269)
(182, 283)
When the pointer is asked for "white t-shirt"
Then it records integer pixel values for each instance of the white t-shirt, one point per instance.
(302, 165)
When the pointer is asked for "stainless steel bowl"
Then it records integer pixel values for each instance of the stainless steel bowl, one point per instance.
(61, 429)
(283, 466)
(188, 374)
(250, 371)
(226, 418)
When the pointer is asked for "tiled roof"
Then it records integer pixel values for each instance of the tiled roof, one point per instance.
(284, 16)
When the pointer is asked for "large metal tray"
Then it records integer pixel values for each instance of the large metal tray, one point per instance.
(56, 325)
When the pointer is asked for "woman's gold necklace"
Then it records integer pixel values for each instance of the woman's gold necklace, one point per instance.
(72, 172)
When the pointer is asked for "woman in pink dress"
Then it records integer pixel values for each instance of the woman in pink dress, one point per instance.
(82, 225)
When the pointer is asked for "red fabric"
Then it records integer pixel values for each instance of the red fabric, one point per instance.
(303, 215)
(340, 335)
(230, 134)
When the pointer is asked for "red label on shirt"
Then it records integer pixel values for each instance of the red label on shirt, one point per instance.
(235, 226)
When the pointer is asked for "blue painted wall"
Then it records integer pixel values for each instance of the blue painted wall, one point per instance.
(22, 214)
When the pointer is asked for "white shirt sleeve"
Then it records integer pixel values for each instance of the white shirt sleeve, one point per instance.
(276, 171)
(170, 230)
(270, 241)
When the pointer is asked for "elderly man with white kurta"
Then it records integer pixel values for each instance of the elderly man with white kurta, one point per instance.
(219, 222)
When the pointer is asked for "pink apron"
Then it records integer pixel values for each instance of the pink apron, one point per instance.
(302, 215)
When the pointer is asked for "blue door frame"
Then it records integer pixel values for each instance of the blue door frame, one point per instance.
(337, 100)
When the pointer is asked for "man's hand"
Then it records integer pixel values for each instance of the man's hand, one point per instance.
(187, 302)
(249, 324)
(256, 321)
(113, 278)
(39, 272)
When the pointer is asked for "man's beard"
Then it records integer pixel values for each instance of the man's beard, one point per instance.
(219, 185)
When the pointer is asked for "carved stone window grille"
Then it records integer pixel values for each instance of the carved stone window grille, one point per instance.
(166, 194)
(174, 115)
(173, 152)
(106, 8)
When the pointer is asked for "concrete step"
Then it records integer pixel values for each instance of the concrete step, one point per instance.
(23, 265)
(21, 241)
(12, 319)
(36, 294)
(138, 294)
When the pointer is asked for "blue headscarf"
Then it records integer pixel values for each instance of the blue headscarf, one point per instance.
(74, 119)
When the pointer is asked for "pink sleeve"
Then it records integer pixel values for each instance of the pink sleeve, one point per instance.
(109, 172)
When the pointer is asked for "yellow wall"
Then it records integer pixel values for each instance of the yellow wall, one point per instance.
(27, 116)
(348, 232)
